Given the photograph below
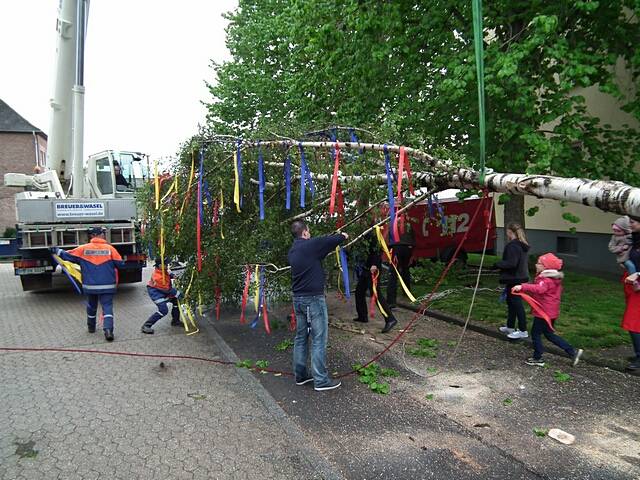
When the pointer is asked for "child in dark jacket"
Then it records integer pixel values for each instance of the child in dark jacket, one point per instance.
(161, 292)
(544, 297)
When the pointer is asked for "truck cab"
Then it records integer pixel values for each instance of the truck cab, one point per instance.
(116, 174)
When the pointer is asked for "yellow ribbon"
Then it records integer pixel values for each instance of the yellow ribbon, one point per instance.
(375, 292)
(156, 181)
(388, 254)
(236, 187)
(71, 268)
(171, 189)
(193, 164)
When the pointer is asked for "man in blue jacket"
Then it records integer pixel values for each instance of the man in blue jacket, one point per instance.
(307, 284)
(98, 262)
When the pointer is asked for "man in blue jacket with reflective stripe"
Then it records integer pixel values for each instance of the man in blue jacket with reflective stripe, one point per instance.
(307, 283)
(98, 262)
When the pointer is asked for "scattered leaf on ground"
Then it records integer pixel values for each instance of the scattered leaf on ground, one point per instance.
(540, 432)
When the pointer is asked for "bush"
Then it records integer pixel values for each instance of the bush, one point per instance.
(9, 232)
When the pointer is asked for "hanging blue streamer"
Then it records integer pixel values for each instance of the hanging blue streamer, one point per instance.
(392, 201)
(239, 158)
(354, 139)
(261, 181)
(200, 184)
(207, 193)
(287, 182)
(305, 173)
(254, 324)
(345, 273)
(443, 217)
(430, 205)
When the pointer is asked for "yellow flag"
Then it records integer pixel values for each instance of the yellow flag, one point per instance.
(388, 254)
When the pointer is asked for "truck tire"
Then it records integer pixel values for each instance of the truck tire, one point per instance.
(447, 254)
(35, 282)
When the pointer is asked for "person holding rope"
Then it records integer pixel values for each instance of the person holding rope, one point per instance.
(514, 270)
(307, 285)
(544, 297)
(162, 293)
(368, 272)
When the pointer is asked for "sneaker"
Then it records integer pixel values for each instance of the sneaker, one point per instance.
(576, 357)
(506, 330)
(304, 381)
(176, 323)
(635, 365)
(108, 335)
(146, 329)
(389, 324)
(329, 386)
(358, 319)
(91, 329)
(517, 335)
(534, 362)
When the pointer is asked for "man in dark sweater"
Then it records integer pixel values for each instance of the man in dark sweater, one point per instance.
(307, 284)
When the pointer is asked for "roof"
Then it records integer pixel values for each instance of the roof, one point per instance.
(11, 121)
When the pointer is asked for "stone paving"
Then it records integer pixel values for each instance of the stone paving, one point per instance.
(77, 415)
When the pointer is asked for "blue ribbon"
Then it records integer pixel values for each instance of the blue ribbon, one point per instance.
(443, 217)
(345, 273)
(287, 181)
(239, 158)
(430, 205)
(305, 176)
(261, 181)
(254, 324)
(200, 184)
(392, 201)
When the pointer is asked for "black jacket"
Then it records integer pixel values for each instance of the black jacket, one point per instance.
(305, 258)
(514, 266)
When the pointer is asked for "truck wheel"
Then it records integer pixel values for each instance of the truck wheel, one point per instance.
(32, 283)
(447, 254)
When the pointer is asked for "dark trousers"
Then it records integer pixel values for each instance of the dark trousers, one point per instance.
(403, 255)
(163, 309)
(365, 283)
(515, 309)
(106, 300)
(540, 327)
(635, 340)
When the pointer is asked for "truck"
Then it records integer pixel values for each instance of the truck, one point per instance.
(60, 204)
(437, 230)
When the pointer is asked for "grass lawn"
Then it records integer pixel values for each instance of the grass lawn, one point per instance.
(590, 313)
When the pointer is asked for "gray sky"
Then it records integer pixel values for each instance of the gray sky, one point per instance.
(146, 63)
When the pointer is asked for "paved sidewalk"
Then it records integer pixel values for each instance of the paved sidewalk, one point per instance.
(74, 415)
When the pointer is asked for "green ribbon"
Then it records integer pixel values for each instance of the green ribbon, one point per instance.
(477, 37)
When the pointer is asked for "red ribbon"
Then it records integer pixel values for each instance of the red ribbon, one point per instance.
(537, 308)
(292, 320)
(218, 294)
(265, 314)
(198, 221)
(245, 294)
(334, 183)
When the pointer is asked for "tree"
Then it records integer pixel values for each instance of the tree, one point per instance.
(407, 68)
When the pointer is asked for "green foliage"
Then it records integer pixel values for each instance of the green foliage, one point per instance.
(569, 217)
(9, 232)
(425, 347)
(507, 401)
(561, 377)
(532, 211)
(244, 364)
(262, 364)
(369, 376)
(540, 432)
(432, 370)
(284, 345)
(429, 396)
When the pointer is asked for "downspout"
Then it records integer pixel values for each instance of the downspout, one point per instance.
(35, 146)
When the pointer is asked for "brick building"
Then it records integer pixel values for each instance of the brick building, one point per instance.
(22, 148)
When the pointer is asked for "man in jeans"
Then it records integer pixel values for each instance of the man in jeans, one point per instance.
(307, 284)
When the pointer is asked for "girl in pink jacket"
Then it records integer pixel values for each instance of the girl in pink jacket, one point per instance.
(544, 297)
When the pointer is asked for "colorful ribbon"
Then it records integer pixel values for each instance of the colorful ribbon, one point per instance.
(156, 182)
(305, 177)
(341, 258)
(536, 306)
(245, 293)
(374, 297)
(287, 181)
(388, 254)
(392, 203)
(334, 183)
(199, 214)
(261, 182)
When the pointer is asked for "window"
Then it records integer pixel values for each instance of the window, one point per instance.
(103, 176)
(567, 245)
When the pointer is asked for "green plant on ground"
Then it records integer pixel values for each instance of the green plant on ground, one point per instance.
(432, 370)
(284, 345)
(425, 347)
(262, 363)
(540, 432)
(244, 364)
(429, 396)
(369, 376)
(389, 372)
(507, 401)
(561, 377)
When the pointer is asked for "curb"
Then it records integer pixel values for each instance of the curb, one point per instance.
(490, 332)
(302, 444)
